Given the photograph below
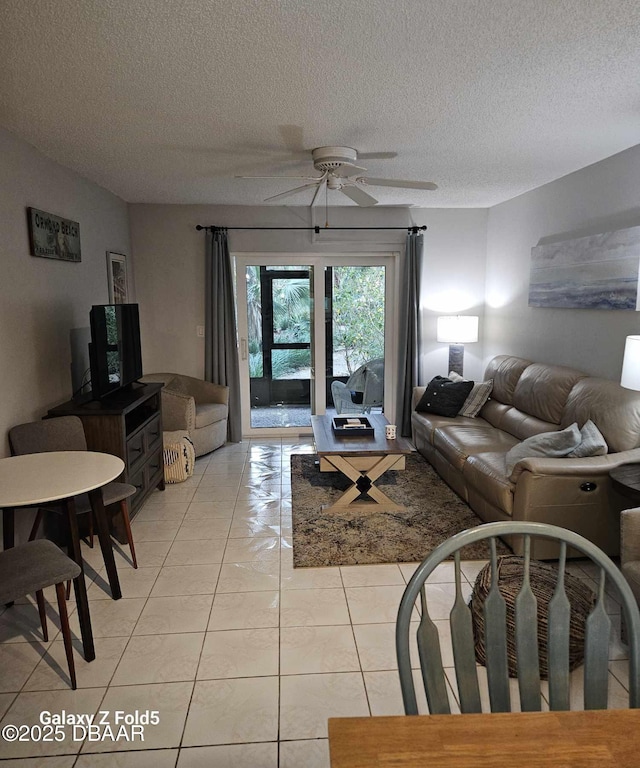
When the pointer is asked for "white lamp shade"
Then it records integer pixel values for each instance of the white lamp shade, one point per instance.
(457, 329)
(631, 363)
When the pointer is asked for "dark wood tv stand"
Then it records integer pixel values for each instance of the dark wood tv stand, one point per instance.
(127, 424)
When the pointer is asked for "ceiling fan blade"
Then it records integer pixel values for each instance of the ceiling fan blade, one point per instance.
(405, 184)
(289, 192)
(311, 178)
(346, 170)
(359, 196)
(377, 155)
(321, 186)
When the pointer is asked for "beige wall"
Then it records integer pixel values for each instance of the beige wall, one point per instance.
(169, 255)
(42, 300)
(600, 198)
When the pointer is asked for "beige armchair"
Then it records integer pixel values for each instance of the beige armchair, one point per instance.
(630, 548)
(197, 406)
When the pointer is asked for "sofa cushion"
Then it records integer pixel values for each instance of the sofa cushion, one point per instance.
(457, 443)
(592, 443)
(209, 413)
(494, 411)
(542, 390)
(476, 398)
(444, 397)
(548, 444)
(487, 474)
(520, 424)
(505, 370)
(426, 424)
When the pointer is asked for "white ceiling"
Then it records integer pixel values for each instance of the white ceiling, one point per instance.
(165, 101)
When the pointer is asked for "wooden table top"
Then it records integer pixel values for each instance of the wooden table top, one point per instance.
(328, 444)
(593, 739)
(35, 478)
(626, 479)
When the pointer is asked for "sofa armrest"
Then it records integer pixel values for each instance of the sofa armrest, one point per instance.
(416, 396)
(178, 411)
(629, 535)
(597, 465)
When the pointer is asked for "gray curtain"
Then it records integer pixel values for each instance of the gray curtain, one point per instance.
(409, 336)
(221, 346)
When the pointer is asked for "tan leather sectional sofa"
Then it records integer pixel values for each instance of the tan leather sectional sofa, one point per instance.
(530, 398)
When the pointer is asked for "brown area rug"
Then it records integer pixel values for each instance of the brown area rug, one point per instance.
(433, 514)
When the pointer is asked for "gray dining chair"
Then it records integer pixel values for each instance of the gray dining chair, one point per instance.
(66, 433)
(597, 630)
(29, 568)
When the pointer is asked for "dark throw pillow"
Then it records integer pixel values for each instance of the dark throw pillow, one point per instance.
(444, 397)
(357, 397)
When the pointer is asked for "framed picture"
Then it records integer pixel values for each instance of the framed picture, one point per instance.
(117, 275)
(595, 272)
(53, 237)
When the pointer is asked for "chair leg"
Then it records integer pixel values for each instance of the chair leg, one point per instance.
(91, 529)
(66, 632)
(68, 590)
(43, 614)
(127, 527)
(36, 525)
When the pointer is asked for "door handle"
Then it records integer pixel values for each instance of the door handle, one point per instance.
(243, 349)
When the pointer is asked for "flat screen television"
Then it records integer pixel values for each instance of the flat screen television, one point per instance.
(115, 356)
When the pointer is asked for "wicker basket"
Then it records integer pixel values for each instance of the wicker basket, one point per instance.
(178, 455)
(542, 578)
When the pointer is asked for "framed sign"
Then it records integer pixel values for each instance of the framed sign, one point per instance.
(117, 274)
(53, 237)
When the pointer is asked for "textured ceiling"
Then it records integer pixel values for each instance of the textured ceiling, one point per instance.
(165, 101)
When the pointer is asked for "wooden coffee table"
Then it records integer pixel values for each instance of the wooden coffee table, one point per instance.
(363, 460)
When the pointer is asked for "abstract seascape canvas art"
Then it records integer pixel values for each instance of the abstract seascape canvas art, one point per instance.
(595, 272)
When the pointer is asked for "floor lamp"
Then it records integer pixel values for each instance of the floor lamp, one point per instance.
(630, 378)
(457, 330)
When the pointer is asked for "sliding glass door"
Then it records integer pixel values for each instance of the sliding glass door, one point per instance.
(355, 321)
(279, 333)
(301, 315)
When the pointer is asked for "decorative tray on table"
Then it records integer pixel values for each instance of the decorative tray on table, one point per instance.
(351, 426)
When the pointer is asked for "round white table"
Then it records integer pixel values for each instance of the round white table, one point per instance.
(37, 478)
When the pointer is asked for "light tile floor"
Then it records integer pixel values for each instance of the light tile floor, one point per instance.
(243, 657)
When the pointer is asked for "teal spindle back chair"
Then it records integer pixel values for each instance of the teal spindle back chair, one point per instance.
(597, 631)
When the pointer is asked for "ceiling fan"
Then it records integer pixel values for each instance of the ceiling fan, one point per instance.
(337, 164)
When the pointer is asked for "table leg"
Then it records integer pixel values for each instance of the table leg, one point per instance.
(79, 584)
(100, 516)
(363, 482)
(8, 527)
(8, 532)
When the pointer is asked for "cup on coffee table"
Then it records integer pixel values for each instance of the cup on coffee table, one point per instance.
(390, 431)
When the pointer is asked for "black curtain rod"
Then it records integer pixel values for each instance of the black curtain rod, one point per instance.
(316, 229)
